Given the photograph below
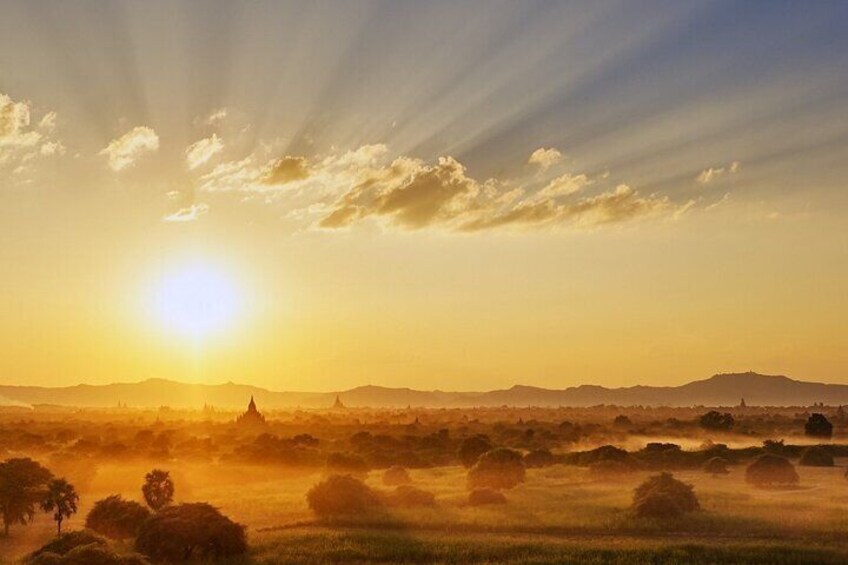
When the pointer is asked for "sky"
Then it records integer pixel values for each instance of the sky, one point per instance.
(438, 195)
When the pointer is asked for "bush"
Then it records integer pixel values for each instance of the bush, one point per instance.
(538, 458)
(815, 456)
(409, 496)
(190, 531)
(818, 426)
(480, 497)
(68, 541)
(663, 496)
(716, 466)
(395, 476)
(341, 494)
(116, 518)
(91, 554)
(472, 448)
(770, 469)
(610, 469)
(498, 469)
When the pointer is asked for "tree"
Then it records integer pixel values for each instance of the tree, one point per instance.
(116, 518)
(472, 448)
(158, 489)
(22, 483)
(714, 420)
(622, 421)
(190, 531)
(816, 456)
(663, 496)
(770, 469)
(818, 426)
(341, 494)
(61, 499)
(497, 469)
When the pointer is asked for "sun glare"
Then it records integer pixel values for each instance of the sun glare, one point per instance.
(195, 301)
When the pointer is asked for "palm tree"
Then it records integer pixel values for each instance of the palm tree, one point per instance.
(158, 489)
(61, 499)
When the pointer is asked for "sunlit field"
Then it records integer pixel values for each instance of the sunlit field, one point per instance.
(562, 511)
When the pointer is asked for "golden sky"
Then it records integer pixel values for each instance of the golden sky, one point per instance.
(315, 196)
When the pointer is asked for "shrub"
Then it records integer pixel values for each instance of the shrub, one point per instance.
(472, 448)
(663, 496)
(497, 469)
(538, 458)
(116, 518)
(408, 496)
(188, 531)
(395, 476)
(815, 456)
(341, 494)
(480, 497)
(770, 469)
(716, 466)
(818, 426)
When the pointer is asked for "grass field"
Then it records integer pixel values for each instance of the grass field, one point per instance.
(559, 515)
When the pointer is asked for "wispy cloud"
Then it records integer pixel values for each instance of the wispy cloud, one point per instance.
(188, 213)
(199, 152)
(713, 173)
(125, 150)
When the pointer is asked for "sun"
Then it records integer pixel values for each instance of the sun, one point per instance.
(195, 301)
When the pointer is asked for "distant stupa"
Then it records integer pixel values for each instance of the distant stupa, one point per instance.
(252, 417)
(337, 405)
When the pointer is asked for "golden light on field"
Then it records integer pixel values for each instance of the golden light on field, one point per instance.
(195, 301)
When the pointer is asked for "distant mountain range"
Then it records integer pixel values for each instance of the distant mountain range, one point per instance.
(719, 390)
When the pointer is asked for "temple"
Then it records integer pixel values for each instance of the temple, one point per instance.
(338, 404)
(252, 417)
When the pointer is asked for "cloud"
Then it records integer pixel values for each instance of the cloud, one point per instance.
(616, 206)
(215, 118)
(15, 131)
(199, 152)
(339, 190)
(125, 150)
(545, 158)
(724, 200)
(285, 170)
(52, 148)
(187, 214)
(565, 185)
(412, 194)
(709, 175)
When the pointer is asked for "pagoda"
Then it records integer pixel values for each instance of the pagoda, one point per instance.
(252, 417)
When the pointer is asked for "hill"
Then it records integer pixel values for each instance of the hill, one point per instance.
(719, 390)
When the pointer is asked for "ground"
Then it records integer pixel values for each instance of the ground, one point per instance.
(560, 514)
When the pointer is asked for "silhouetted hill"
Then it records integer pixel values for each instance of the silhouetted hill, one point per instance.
(719, 390)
